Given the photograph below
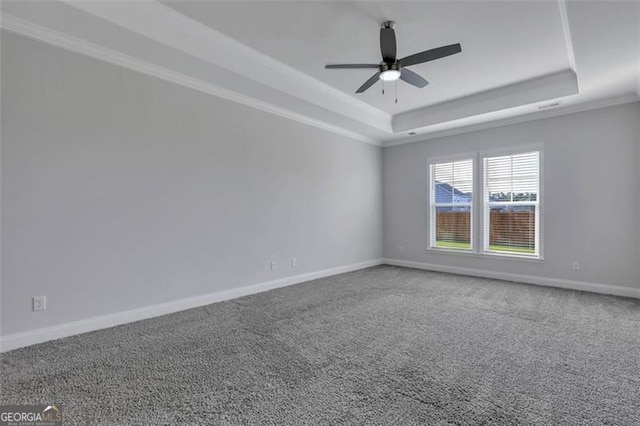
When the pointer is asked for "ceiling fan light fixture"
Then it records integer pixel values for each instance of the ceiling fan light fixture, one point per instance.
(390, 75)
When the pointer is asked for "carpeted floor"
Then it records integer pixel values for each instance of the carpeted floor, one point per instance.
(384, 345)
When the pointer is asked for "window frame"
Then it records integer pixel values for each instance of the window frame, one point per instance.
(431, 205)
(486, 205)
(478, 204)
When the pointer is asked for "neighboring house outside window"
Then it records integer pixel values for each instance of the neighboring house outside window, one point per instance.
(451, 204)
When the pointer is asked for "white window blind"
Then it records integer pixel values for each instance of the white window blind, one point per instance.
(451, 203)
(511, 204)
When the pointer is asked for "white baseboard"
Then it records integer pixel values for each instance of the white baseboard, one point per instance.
(529, 279)
(27, 338)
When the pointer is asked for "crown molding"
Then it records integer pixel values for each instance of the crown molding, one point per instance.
(171, 28)
(287, 92)
(37, 32)
(566, 30)
(523, 118)
(544, 88)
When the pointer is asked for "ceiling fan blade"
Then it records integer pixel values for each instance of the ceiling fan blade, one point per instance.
(369, 82)
(412, 78)
(430, 55)
(349, 66)
(388, 44)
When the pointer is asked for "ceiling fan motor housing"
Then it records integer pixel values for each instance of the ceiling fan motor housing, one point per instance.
(386, 67)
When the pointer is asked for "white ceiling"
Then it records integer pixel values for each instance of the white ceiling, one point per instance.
(502, 43)
(516, 56)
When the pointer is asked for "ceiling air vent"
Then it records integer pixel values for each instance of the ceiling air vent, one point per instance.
(555, 104)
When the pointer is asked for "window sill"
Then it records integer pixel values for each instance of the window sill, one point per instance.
(486, 255)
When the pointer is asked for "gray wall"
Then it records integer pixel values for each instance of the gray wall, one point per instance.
(591, 196)
(120, 190)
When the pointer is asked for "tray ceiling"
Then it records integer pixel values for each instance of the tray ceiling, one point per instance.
(502, 43)
(520, 60)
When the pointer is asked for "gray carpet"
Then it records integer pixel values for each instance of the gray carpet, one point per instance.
(384, 345)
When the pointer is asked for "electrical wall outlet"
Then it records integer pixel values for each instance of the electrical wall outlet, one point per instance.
(39, 303)
(575, 265)
(294, 262)
(274, 266)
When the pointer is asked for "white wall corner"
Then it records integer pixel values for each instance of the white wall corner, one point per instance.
(638, 85)
(638, 58)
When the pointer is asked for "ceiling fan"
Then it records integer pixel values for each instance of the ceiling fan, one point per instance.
(391, 68)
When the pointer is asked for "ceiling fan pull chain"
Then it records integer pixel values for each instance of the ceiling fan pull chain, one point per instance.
(396, 91)
(383, 87)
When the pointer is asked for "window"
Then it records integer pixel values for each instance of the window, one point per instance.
(506, 219)
(451, 204)
(511, 204)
